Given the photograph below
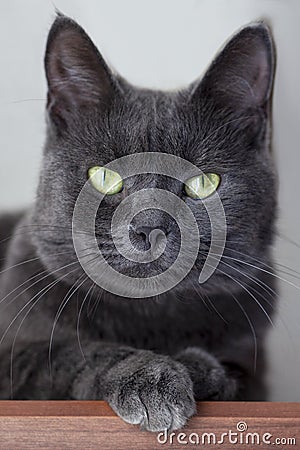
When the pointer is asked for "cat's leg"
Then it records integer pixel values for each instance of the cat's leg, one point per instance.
(211, 380)
(142, 387)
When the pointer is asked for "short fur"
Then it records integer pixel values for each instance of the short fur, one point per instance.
(149, 358)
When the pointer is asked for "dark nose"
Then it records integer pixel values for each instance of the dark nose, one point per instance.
(145, 231)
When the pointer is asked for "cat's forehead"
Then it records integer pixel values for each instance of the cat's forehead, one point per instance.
(162, 122)
(150, 121)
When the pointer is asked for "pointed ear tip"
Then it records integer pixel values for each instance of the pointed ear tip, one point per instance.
(262, 24)
(61, 24)
(260, 28)
(62, 21)
(260, 33)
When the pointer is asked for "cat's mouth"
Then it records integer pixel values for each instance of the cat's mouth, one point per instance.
(133, 268)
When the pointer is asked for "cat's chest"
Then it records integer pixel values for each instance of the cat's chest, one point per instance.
(160, 327)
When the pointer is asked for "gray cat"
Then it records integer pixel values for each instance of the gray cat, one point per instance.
(65, 337)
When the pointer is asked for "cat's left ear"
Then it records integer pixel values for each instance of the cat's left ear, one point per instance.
(241, 76)
(77, 75)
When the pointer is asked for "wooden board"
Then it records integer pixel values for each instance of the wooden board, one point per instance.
(93, 425)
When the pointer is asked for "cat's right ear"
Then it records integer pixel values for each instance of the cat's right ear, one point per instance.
(241, 76)
(77, 76)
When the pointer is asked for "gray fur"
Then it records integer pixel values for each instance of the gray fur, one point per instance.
(149, 358)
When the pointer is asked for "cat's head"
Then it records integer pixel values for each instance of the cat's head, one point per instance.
(220, 124)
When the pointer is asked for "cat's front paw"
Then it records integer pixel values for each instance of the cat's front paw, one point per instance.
(151, 390)
(210, 379)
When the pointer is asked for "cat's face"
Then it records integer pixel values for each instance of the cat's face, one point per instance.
(220, 124)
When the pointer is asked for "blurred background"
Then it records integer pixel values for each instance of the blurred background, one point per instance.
(162, 44)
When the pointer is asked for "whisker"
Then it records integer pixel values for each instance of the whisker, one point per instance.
(249, 322)
(26, 304)
(33, 284)
(247, 318)
(63, 304)
(42, 228)
(263, 270)
(32, 260)
(260, 283)
(38, 281)
(95, 306)
(267, 271)
(91, 290)
(39, 295)
(288, 239)
(277, 264)
(251, 327)
(254, 298)
(286, 327)
(263, 286)
(202, 298)
(28, 100)
(210, 303)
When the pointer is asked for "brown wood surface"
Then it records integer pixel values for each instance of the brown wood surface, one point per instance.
(93, 425)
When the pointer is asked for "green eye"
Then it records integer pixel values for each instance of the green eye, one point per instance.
(105, 180)
(202, 186)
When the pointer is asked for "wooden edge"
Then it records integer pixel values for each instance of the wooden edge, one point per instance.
(61, 408)
(93, 425)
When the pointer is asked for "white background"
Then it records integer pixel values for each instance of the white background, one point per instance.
(164, 44)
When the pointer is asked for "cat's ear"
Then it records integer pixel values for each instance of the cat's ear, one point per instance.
(241, 76)
(76, 73)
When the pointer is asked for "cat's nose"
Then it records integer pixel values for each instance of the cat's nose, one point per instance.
(151, 235)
